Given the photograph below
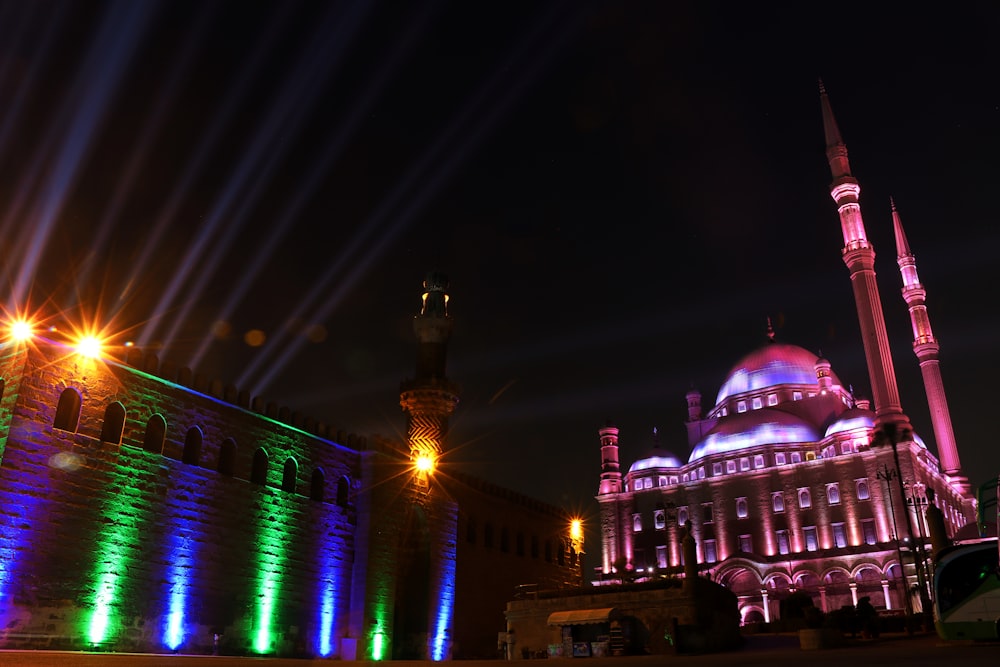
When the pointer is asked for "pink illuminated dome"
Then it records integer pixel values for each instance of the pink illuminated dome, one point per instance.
(772, 365)
(767, 426)
(656, 457)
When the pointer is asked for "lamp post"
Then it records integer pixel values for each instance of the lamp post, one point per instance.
(887, 474)
(890, 433)
(919, 505)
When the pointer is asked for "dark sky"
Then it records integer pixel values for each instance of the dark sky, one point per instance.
(621, 193)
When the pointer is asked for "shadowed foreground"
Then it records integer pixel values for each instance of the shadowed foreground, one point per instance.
(770, 650)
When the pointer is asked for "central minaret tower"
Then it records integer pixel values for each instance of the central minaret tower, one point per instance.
(859, 256)
(430, 398)
(926, 347)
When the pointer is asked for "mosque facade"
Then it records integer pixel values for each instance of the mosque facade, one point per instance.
(790, 482)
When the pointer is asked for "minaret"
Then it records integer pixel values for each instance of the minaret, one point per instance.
(430, 398)
(926, 347)
(607, 498)
(859, 256)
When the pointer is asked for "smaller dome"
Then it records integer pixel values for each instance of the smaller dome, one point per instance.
(656, 457)
(767, 426)
(850, 420)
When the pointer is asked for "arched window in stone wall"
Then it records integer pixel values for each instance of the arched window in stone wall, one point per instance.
(68, 410)
(288, 475)
(192, 446)
(258, 473)
(316, 485)
(227, 457)
(156, 434)
(470, 530)
(114, 423)
(343, 491)
(488, 536)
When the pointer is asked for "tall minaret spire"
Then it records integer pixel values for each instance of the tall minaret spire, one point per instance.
(859, 256)
(430, 398)
(926, 347)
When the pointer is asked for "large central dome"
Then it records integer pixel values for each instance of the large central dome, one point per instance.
(770, 366)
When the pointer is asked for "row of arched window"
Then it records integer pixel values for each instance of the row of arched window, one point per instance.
(67, 418)
(553, 548)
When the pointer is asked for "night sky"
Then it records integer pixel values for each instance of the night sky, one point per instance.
(620, 192)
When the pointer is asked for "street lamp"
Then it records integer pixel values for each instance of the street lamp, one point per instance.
(887, 474)
(919, 505)
(890, 433)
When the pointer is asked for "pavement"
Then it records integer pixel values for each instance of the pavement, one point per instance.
(922, 650)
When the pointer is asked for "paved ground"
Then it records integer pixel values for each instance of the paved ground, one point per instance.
(769, 650)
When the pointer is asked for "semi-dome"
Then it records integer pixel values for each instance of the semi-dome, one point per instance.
(767, 426)
(850, 420)
(773, 365)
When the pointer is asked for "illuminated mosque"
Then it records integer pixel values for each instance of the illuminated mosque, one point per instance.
(146, 509)
(790, 482)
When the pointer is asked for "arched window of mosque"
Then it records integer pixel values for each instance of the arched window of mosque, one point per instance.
(343, 491)
(782, 536)
(258, 473)
(659, 519)
(706, 513)
(862, 485)
(673, 478)
(686, 478)
(741, 406)
(725, 411)
(772, 399)
(778, 501)
(488, 536)
(661, 556)
(833, 494)
(716, 469)
(114, 423)
(845, 447)
(730, 467)
(68, 411)
(744, 464)
(741, 508)
(758, 461)
(288, 475)
(317, 484)
(805, 498)
(534, 546)
(682, 516)
(796, 457)
(636, 523)
(701, 472)
(757, 404)
(779, 459)
(470, 530)
(839, 535)
(648, 483)
(711, 555)
(156, 434)
(812, 542)
(192, 446)
(663, 480)
(227, 457)
(796, 395)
